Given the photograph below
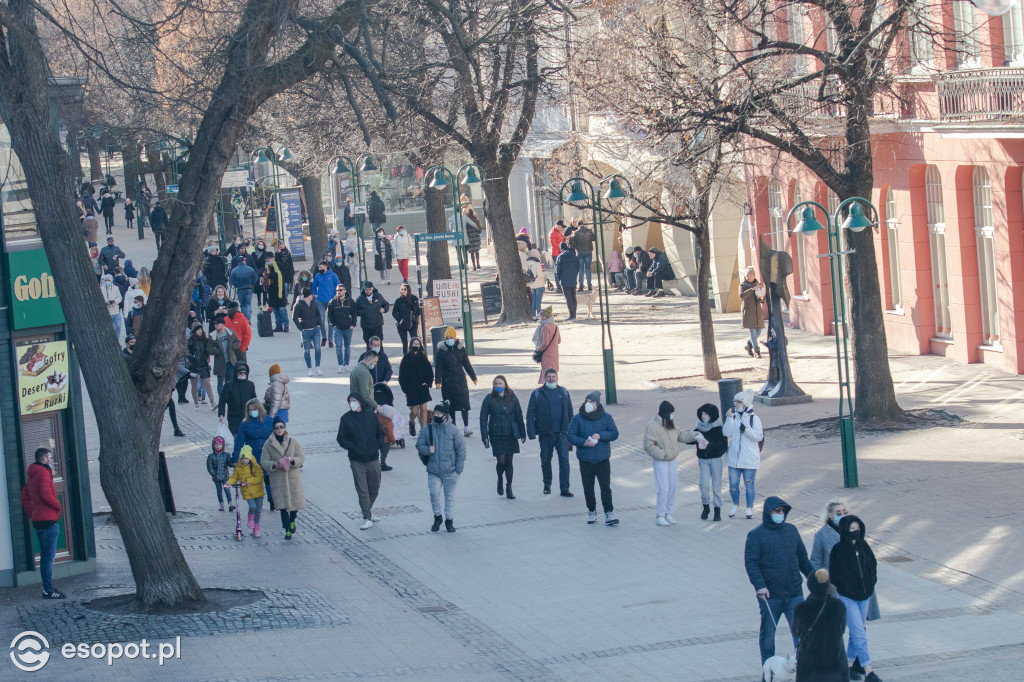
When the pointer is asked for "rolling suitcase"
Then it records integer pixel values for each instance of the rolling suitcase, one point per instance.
(265, 322)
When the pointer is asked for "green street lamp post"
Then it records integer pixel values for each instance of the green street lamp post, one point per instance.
(854, 222)
(439, 181)
(268, 155)
(577, 195)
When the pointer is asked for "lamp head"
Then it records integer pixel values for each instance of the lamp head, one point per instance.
(368, 165)
(284, 154)
(438, 181)
(576, 195)
(261, 156)
(471, 177)
(856, 220)
(341, 167)
(809, 223)
(615, 191)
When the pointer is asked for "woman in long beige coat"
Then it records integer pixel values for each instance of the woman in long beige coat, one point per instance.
(282, 459)
(546, 338)
(752, 296)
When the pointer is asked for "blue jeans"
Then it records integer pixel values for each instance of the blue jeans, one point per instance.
(324, 329)
(116, 319)
(549, 443)
(255, 508)
(630, 279)
(245, 302)
(748, 484)
(856, 615)
(342, 344)
(585, 258)
(47, 551)
(311, 340)
(283, 414)
(538, 296)
(779, 606)
(281, 317)
(221, 493)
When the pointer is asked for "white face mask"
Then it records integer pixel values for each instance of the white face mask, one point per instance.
(672, 417)
(354, 405)
(589, 407)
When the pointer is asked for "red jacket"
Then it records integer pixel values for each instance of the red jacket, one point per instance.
(556, 237)
(39, 497)
(240, 326)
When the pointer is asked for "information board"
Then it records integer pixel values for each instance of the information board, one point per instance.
(291, 216)
(448, 292)
(42, 375)
(431, 312)
(491, 294)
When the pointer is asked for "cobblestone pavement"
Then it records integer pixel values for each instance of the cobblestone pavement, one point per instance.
(526, 590)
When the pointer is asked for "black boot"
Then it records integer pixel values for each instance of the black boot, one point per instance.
(704, 514)
(749, 349)
(449, 525)
(508, 492)
(437, 524)
(718, 514)
(501, 486)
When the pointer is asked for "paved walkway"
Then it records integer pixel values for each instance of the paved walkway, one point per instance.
(526, 589)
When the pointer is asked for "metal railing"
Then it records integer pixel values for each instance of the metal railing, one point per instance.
(981, 94)
(805, 102)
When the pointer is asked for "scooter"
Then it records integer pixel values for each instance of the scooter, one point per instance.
(238, 512)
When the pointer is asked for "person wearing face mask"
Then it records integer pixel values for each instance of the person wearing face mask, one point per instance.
(282, 461)
(502, 426)
(661, 443)
(451, 365)
(591, 432)
(853, 570)
(361, 435)
(218, 305)
(283, 258)
(325, 284)
(244, 279)
(254, 431)
(382, 255)
(215, 268)
(406, 312)
(361, 378)
(743, 429)
(234, 397)
(370, 307)
(200, 347)
(112, 298)
(339, 268)
(277, 295)
(443, 451)
(415, 375)
(305, 280)
(341, 313)
(133, 321)
(711, 448)
(547, 417)
(404, 246)
(775, 558)
(306, 316)
(352, 245)
(230, 355)
(382, 371)
(546, 339)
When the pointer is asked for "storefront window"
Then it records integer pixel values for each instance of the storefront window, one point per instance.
(16, 215)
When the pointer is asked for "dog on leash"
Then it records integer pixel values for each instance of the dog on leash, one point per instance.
(778, 668)
(587, 298)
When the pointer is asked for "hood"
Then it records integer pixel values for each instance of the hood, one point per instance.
(711, 409)
(128, 263)
(592, 416)
(240, 366)
(36, 469)
(283, 378)
(766, 513)
(844, 528)
(306, 273)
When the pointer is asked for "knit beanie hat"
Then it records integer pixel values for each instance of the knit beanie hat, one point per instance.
(594, 397)
(449, 333)
(278, 420)
(746, 397)
(275, 369)
(665, 409)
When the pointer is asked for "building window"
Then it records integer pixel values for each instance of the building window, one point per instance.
(775, 214)
(920, 37)
(801, 250)
(937, 246)
(984, 231)
(17, 217)
(965, 31)
(795, 28)
(892, 239)
(1013, 35)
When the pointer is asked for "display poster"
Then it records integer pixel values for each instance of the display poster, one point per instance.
(450, 296)
(42, 375)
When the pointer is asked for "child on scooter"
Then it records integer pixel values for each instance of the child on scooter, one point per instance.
(249, 475)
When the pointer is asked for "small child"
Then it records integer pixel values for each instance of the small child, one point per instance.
(217, 466)
(277, 399)
(249, 475)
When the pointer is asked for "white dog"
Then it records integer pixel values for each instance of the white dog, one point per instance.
(587, 298)
(779, 668)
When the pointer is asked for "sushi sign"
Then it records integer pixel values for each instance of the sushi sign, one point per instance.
(42, 375)
(34, 301)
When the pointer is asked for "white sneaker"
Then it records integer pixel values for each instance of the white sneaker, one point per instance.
(340, 369)
(346, 368)
(367, 525)
(591, 517)
(750, 513)
(374, 518)
(310, 372)
(732, 512)
(467, 431)
(609, 519)
(668, 517)
(318, 372)
(662, 521)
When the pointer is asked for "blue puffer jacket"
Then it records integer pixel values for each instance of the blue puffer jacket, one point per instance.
(584, 425)
(253, 433)
(449, 449)
(775, 555)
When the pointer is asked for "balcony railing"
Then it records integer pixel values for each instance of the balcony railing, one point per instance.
(981, 94)
(805, 102)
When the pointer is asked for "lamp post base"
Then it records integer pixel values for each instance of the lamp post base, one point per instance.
(783, 400)
(850, 479)
(610, 394)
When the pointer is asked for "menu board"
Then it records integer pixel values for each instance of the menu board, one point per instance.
(42, 375)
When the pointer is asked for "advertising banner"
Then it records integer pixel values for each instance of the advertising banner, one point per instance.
(42, 375)
(34, 301)
(291, 217)
(450, 296)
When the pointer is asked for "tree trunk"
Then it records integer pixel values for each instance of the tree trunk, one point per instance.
(315, 214)
(95, 160)
(75, 152)
(515, 300)
(438, 263)
(707, 325)
(155, 163)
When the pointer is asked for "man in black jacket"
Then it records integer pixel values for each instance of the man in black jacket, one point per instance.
(370, 308)
(107, 204)
(361, 435)
(548, 416)
(306, 317)
(234, 397)
(341, 313)
(775, 557)
(382, 371)
(215, 269)
(659, 270)
(643, 262)
(567, 268)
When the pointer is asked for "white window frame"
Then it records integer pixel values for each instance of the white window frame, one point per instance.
(937, 248)
(776, 219)
(801, 250)
(1013, 35)
(892, 242)
(965, 35)
(796, 33)
(984, 231)
(921, 48)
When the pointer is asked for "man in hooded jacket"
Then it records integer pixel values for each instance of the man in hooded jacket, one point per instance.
(775, 558)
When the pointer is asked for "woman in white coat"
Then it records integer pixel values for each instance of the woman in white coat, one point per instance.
(743, 429)
(661, 442)
(403, 244)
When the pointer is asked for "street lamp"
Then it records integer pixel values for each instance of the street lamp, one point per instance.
(439, 180)
(578, 195)
(855, 222)
(267, 155)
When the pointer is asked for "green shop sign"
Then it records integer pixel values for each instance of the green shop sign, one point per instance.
(34, 301)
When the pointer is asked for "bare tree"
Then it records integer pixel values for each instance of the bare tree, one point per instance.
(240, 72)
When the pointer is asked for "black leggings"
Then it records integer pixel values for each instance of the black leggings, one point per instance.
(174, 414)
(405, 335)
(287, 518)
(504, 466)
(474, 257)
(465, 418)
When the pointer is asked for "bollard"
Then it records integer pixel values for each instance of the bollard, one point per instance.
(727, 390)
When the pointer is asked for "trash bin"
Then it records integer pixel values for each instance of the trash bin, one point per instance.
(727, 390)
(436, 337)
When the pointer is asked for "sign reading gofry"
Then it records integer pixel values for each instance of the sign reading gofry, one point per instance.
(34, 301)
(42, 375)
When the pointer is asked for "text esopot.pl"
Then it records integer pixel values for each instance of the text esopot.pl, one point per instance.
(30, 651)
